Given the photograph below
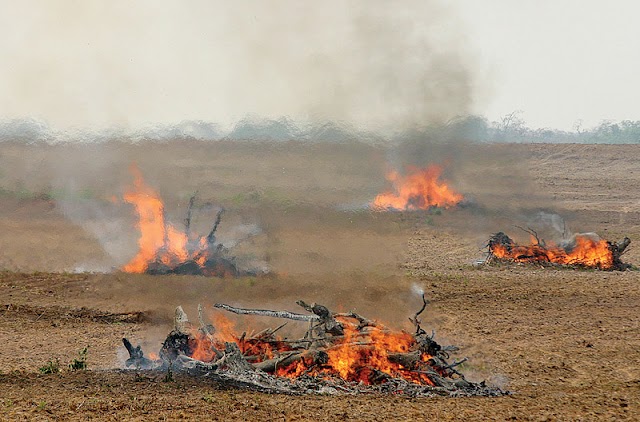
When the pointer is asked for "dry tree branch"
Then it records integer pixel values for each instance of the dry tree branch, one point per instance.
(264, 312)
(211, 237)
(187, 220)
(416, 320)
(363, 322)
(533, 233)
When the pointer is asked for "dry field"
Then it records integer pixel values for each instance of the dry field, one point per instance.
(565, 343)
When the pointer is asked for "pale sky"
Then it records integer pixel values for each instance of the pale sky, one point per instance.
(89, 63)
(557, 61)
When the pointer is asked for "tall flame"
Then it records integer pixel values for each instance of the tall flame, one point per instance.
(158, 239)
(344, 358)
(151, 223)
(417, 190)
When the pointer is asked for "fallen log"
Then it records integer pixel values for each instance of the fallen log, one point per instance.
(407, 360)
(234, 360)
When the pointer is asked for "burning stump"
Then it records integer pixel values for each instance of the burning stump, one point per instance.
(165, 249)
(585, 250)
(340, 353)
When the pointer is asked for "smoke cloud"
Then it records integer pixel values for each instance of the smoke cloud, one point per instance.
(91, 64)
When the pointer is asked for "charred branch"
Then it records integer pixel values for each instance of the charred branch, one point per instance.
(234, 360)
(136, 357)
(416, 321)
(176, 344)
(211, 237)
(534, 234)
(328, 324)
(621, 246)
(362, 321)
(187, 220)
(180, 320)
(407, 360)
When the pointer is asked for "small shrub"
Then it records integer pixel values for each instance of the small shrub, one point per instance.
(52, 367)
(80, 363)
(169, 375)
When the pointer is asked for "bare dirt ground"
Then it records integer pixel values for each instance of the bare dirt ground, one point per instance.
(565, 342)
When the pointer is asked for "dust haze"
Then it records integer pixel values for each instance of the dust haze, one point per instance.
(383, 67)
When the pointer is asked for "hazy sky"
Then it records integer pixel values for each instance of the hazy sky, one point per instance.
(96, 63)
(556, 60)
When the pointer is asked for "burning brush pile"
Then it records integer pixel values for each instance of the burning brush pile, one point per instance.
(585, 250)
(165, 249)
(418, 189)
(340, 353)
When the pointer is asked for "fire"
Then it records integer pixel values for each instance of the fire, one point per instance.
(161, 243)
(344, 358)
(583, 250)
(201, 348)
(225, 328)
(357, 357)
(151, 224)
(358, 361)
(202, 344)
(419, 189)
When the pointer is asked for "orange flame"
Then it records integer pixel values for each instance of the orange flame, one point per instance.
(202, 348)
(357, 356)
(344, 357)
(358, 361)
(202, 345)
(225, 328)
(587, 252)
(419, 189)
(159, 240)
(151, 223)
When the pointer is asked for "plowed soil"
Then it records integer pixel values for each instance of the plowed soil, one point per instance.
(564, 342)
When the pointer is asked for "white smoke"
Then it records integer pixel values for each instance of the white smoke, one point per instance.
(108, 225)
(553, 221)
(417, 290)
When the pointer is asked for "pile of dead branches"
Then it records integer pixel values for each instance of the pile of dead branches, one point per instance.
(584, 250)
(314, 363)
(206, 256)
